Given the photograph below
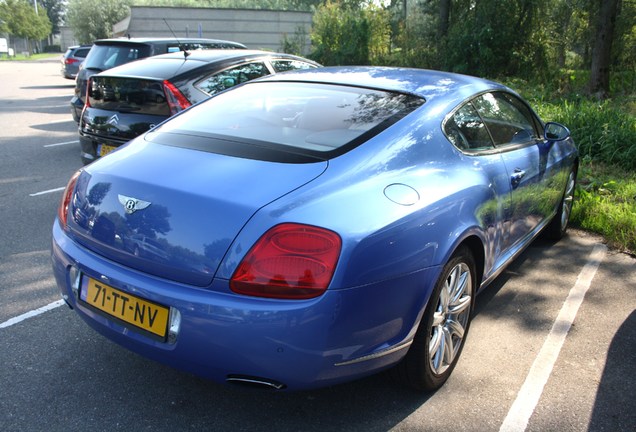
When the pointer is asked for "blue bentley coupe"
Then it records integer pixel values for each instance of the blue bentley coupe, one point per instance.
(313, 227)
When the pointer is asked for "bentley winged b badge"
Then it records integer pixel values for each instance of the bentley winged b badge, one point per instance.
(131, 204)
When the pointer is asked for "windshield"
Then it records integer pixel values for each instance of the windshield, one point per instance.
(310, 117)
(104, 57)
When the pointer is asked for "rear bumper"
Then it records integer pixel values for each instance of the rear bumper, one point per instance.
(76, 108)
(89, 146)
(68, 75)
(340, 336)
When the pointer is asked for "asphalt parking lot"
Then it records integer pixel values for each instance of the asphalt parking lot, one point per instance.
(552, 346)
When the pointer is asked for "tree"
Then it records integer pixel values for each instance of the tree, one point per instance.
(624, 45)
(20, 20)
(92, 19)
(602, 48)
(296, 43)
(493, 37)
(55, 12)
(334, 29)
(349, 32)
(444, 18)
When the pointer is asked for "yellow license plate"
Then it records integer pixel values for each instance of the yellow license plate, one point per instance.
(131, 309)
(105, 149)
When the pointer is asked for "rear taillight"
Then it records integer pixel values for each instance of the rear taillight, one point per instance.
(89, 92)
(290, 261)
(176, 100)
(70, 61)
(62, 211)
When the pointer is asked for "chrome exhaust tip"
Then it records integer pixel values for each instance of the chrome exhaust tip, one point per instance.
(255, 382)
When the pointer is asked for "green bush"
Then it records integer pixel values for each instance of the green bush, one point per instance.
(344, 35)
(604, 131)
(52, 49)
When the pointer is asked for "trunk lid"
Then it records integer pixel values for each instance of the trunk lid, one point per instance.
(174, 212)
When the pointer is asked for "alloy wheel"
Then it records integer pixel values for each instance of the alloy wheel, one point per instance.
(450, 318)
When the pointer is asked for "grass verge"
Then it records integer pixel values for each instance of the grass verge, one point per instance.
(33, 57)
(605, 203)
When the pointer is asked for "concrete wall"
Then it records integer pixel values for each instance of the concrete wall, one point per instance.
(258, 29)
(67, 38)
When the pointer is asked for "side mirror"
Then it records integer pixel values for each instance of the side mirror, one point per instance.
(555, 132)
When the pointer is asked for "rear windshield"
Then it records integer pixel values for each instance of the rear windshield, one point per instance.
(128, 95)
(315, 119)
(102, 57)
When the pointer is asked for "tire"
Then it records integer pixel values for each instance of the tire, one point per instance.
(443, 329)
(559, 223)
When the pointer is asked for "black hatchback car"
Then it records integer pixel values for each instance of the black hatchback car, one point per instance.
(128, 100)
(108, 53)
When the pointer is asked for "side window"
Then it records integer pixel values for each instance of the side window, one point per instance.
(133, 54)
(466, 130)
(82, 52)
(230, 77)
(110, 59)
(508, 119)
(288, 65)
(119, 55)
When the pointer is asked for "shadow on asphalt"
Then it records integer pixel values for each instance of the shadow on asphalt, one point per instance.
(615, 404)
(71, 85)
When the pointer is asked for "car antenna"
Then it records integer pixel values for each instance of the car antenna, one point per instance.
(181, 46)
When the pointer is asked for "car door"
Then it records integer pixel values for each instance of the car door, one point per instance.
(467, 131)
(515, 133)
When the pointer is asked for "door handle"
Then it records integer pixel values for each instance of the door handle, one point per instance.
(516, 177)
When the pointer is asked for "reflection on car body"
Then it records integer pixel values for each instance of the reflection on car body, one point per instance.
(143, 246)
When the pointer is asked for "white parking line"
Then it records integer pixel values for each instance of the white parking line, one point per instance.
(61, 144)
(47, 191)
(529, 394)
(31, 314)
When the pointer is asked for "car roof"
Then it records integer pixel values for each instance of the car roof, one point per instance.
(210, 55)
(157, 40)
(79, 46)
(428, 84)
(168, 65)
